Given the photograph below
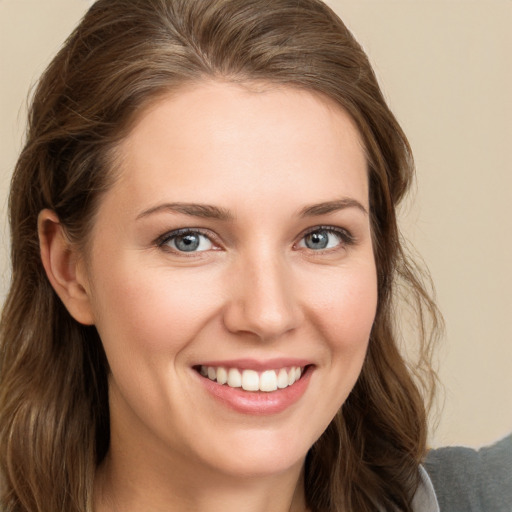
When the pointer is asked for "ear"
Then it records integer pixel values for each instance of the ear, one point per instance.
(64, 267)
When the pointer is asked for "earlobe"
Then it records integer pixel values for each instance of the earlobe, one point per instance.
(62, 265)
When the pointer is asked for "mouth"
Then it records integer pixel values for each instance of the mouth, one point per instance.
(256, 387)
(265, 381)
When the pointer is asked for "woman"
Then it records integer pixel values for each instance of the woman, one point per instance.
(205, 263)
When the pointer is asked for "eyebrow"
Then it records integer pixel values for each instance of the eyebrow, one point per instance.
(205, 211)
(331, 206)
(208, 211)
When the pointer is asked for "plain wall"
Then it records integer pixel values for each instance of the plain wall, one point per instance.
(445, 67)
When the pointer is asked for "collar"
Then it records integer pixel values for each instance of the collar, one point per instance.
(425, 498)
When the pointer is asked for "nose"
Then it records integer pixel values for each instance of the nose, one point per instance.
(263, 300)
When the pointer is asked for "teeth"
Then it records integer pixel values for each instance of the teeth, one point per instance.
(234, 378)
(251, 380)
(222, 375)
(282, 379)
(268, 381)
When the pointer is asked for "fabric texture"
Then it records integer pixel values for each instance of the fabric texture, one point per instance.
(468, 480)
(425, 498)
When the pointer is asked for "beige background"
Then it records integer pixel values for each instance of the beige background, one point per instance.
(445, 67)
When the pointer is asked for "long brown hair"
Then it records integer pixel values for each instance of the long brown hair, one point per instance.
(54, 423)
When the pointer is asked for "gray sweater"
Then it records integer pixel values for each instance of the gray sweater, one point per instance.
(467, 480)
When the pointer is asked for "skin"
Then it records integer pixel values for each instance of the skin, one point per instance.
(264, 156)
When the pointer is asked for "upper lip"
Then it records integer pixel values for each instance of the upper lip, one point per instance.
(258, 365)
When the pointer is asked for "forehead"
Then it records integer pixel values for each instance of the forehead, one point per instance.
(215, 138)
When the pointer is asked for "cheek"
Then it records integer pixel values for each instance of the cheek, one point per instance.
(153, 309)
(345, 307)
(342, 307)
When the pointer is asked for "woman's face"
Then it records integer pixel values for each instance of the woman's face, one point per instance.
(236, 243)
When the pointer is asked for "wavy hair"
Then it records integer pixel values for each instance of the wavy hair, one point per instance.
(54, 413)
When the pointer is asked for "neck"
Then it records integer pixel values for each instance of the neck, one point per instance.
(131, 487)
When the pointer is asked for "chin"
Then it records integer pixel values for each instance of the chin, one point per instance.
(257, 455)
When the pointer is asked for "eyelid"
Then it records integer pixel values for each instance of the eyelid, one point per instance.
(334, 229)
(162, 240)
(345, 235)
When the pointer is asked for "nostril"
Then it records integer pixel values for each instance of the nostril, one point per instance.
(264, 324)
(263, 300)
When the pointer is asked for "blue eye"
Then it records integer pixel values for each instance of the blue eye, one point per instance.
(324, 238)
(185, 240)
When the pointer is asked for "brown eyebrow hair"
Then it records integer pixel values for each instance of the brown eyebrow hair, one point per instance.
(331, 206)
(205, 211)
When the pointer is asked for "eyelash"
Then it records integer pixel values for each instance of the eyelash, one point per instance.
(346, 238)
(163, 240)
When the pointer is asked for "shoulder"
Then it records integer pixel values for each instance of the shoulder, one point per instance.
(469, 480)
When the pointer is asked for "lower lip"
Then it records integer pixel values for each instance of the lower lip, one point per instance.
(258, 402)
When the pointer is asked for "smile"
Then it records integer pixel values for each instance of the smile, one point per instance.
(255, 387)
(252, 380)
